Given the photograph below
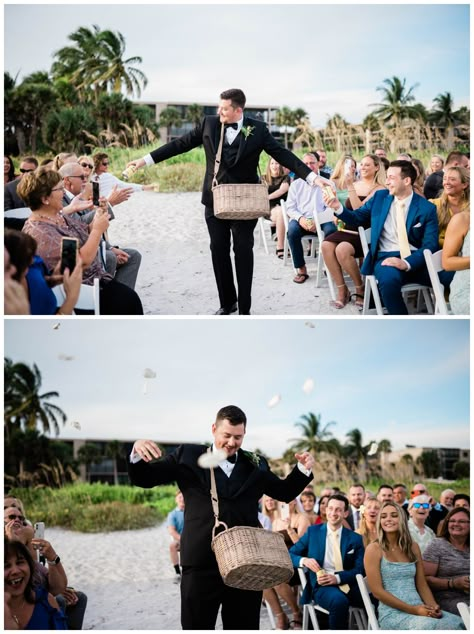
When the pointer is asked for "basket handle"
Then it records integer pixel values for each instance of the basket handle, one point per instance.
(214, 498)
(218, 158)
(216, 526)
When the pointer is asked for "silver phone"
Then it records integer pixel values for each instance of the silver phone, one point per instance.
(39, 530)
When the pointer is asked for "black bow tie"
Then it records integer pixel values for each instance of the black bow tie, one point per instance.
(232, 458)
(231, 125)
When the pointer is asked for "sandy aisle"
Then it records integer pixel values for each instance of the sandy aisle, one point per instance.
(176, 275)
(127, 576)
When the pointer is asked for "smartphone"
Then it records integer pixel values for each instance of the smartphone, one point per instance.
(284, 511)
(347, 167)
(69, 247)
(39, 530)
(95, 194)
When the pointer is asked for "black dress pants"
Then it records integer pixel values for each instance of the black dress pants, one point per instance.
(203, 592)
(220, 232)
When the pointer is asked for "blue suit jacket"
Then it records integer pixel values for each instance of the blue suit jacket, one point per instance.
(313, 545)
(422, 226)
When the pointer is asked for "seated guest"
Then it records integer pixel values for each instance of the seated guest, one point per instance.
(434, 183)
(446, 499)
(11, 199)
(324, 169)
(403, 225)
(322, 508)
(400, 495)
(303, 201)
(43, 192)
(108, 181)
(27, 606)
(15, 299)
(446, 561)
(8, 170)
(334, 556)
(62, 158)
(356, 500)
(385, 493)
(278, 183)
(457, 257)
(455, 198)
(418, 510)
(368, 524)
(33, 276)
(395, 576)
(420, 177)
(436, 165)
(308, 501)
(338, 176)
(343, 248)
(462, 500)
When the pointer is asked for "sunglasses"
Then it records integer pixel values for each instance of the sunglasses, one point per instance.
(82, 177)
(12, 518)
(419, 492)
(86, 165)
(24, 171)
(105, 164)
(419, 505)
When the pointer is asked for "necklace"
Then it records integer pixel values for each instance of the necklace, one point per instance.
(16, 619)
(57, 219)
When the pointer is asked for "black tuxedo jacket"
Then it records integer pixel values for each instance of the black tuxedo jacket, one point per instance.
(11, 200)
(238, 495)
(244, 168)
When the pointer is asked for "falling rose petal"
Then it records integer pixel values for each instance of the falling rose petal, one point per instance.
(212, 459)
(308, 386)
(373, 449)
(273, 402)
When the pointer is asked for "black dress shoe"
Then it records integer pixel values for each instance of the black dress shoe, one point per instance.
(227, 311)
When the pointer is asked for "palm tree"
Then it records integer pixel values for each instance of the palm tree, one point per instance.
(194, 113)
(119, 72)
(114, 450)
(169, 117)
(385, 446)
(24, 406)
(444, 116)
(89, 454)
(285, 117)
(315, 437)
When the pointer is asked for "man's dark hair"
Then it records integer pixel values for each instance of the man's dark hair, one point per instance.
(307, 494)
(455, 155)
(462, 496)
(357, 484)
(233, 414)
(400, 484)
(30, 159)
(22, 248)
(341, 498)
(315, 154)
(236, 96)
(384, 486)
(407, 169)
(384, 160)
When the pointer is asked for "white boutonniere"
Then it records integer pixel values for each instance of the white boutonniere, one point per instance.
(247, 130)
(253, 457)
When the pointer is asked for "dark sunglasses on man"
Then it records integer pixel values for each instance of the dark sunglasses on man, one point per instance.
(25, 171)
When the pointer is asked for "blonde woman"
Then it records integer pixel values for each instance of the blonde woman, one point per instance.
(63, 158)
(368, 523)
(338, 176)
(278, 183)
(436, 164)
(396, 578)
(454, 199)
(343, 248)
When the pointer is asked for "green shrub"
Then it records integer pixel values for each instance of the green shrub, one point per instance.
(181, 177)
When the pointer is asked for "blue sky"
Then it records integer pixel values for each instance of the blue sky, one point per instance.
(323, 58)
(405, 380)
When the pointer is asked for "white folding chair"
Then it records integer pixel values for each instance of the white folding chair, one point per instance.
(356, 615)
(434, 266)
(465, 612)
(326, 216)
(89, 296)
(371, 288)
(20, 213)
(372, 624)
(271, 617)
(308, 238)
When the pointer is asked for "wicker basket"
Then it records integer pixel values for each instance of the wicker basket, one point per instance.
(241, 201)
(251, 558)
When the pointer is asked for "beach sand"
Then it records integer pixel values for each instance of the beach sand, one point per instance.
(127, 576)
(176, 276)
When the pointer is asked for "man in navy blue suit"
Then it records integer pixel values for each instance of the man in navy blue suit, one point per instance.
(322, 549)
(392, 261)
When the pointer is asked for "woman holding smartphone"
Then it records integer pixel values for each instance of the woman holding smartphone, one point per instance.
(42, 192)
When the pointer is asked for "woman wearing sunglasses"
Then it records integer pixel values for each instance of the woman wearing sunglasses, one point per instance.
(418, 509)
(108, 181)
(447, 560)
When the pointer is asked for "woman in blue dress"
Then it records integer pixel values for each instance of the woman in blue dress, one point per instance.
(27, 607)
(395, 575)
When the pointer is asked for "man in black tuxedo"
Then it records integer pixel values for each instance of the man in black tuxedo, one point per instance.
(244, 140)
(241, 480)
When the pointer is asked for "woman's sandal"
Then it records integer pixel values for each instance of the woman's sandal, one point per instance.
(282, 622)
(340, 303)
(279, 253)
(359, 298)
(296, 622)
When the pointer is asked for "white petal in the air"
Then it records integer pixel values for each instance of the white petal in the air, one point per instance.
(149, 374)
(373, 449)
(76, 424)
(212, 459)
(308, 386)
(274, 400)
(310, 324)
(65, 357)
(56, 326)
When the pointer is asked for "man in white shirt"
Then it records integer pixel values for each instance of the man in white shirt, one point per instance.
(302, 202)
(334, 556)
